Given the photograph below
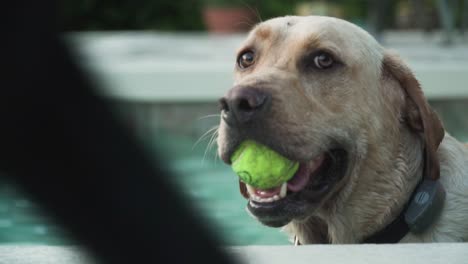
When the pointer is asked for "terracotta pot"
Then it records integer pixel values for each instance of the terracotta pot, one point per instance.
(228, 19)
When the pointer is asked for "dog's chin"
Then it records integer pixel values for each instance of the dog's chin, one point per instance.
(315, 183)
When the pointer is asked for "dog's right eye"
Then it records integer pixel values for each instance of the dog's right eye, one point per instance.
(323, 60)
(246, 59)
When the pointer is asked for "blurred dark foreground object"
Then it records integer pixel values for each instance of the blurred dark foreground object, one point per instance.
(60, 144)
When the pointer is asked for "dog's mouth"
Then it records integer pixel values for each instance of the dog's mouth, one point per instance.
(295, 184)
(298, 197)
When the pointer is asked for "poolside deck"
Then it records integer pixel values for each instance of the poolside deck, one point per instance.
(198, 66)
(453, 253)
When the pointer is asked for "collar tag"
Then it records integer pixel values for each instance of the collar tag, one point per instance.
(425, 205)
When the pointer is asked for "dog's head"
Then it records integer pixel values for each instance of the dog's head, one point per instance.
(323, 92)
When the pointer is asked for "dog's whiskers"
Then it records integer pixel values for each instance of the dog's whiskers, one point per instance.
(208, 116)
(248, 23)
(211, 142)
(254, 10)
(205, 135)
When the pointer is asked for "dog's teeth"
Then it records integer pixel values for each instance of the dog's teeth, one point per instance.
(257, 198)
(250, 189)
(264, 200)
(275, 197)
(284, 189)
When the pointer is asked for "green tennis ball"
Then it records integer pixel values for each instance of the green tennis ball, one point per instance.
(261, 167)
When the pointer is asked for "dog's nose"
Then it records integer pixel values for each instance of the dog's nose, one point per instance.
(244, 104)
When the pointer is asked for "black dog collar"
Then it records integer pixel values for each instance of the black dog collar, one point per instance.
(423, 209)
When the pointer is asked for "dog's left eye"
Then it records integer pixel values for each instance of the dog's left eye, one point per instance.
(323, 60)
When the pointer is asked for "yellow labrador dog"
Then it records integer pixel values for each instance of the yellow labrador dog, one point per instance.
(323, 92)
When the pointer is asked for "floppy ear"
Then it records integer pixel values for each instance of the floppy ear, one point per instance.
(418, 114)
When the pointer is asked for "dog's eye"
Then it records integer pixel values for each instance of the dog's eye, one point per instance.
(246, 59)
(323, 60)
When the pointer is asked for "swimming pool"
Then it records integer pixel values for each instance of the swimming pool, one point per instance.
(205, 183)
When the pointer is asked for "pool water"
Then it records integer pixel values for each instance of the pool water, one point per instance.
(209, 185)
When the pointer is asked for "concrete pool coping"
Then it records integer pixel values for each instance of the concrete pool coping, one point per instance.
(453, 253)
(162, 66)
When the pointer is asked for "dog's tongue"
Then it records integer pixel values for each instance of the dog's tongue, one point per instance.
(300, 179)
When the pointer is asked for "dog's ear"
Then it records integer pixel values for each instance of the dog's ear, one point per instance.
(417, 112)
